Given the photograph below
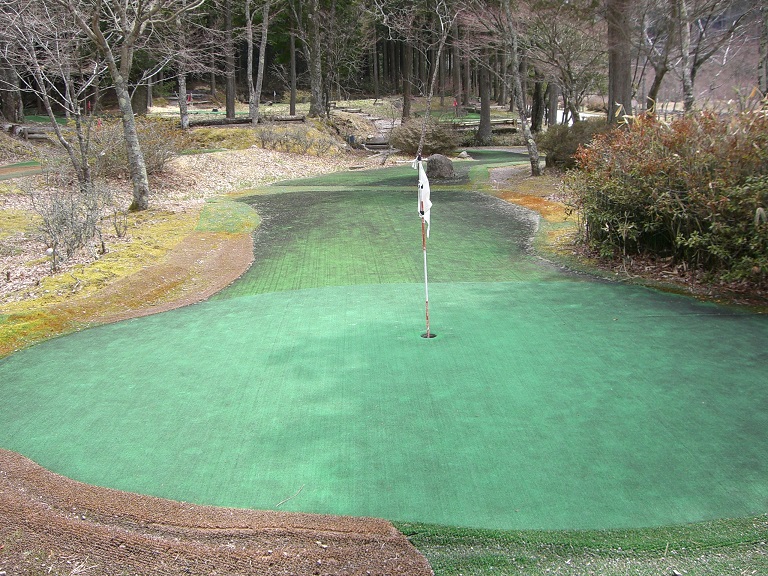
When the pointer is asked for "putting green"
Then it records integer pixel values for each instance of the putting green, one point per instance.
(546, 400)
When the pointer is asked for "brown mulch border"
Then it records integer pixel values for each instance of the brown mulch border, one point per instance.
(53, 523)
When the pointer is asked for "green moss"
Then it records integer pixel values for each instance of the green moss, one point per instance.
(222, 215)
(14, 221)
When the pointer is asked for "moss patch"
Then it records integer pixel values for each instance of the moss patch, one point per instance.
(222, 215)
(15, 221)
(152, 234)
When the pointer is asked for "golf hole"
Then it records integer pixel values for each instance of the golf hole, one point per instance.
(428, 335)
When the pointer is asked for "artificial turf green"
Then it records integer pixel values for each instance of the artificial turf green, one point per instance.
(546, 400)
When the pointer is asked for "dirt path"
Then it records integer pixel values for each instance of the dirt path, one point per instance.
(51, 524)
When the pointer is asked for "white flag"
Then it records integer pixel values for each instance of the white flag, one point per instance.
(424, 203)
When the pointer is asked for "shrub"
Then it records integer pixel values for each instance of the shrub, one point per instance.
(695, 189)
(160, 140)
(561, 142)
(439, 138)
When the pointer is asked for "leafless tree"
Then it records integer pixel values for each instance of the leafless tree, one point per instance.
(54, 61)
(496, 25)
(680, 36)
(569, 51)
(118, 30)
(426, 27)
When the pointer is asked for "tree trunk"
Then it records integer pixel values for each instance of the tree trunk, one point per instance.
(517, 91)
(553, 99)
(182, 73)
(484, 132)
(262, 56)
(456, 67)
(136, 164)
(375, 66)
(619, 60)
(253, 99)
(407, 75)
(292, 106)
(183, 100)
(12, 109)
(762, 65)
(229, 60)
(653, 93)
(467, 80)
(503, 67)
(537, 107)
(313, 50)
(681, 11)
(441, 79)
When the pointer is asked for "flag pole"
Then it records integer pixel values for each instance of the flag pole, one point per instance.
(426, 283)
(424, 206)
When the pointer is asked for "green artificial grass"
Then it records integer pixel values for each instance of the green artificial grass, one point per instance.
(17, 170)
(547, 401)
(732, 546)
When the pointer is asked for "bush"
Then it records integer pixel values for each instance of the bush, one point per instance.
(561, 142)
(695, 189)
(439, 139)
(160, 140)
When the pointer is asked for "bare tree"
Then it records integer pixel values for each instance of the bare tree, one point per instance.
(425, 27)
(492, 24)
(702, 29)
(307, 18)
(569, 51)
(118, 30)
(56, 63)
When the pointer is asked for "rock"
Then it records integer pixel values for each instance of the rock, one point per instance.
(463, 154)
(439, 167)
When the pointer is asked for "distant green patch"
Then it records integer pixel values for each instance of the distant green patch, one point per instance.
(19, 169)
(222, 215)
(40, 119)
(400, 177)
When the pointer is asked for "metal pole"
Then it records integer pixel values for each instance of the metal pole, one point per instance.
(426, 283)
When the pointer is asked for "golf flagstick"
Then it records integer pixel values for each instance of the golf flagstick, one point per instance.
(424, 205)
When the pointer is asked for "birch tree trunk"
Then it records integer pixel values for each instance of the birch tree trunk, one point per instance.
(253, 99)
(517, 91)
(183, 104)
(262, 56)
(681, 12)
